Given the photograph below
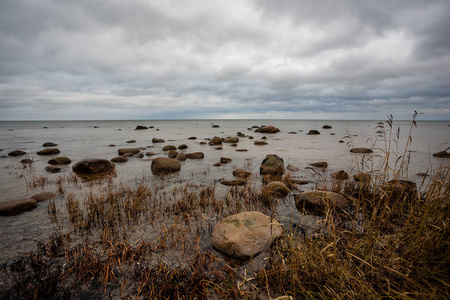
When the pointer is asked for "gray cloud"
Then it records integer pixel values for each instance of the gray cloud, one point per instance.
(203, 59)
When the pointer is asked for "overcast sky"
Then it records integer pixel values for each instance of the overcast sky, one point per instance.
(299, 59)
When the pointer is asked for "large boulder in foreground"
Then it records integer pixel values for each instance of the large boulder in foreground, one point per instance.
(318, 201)
(165, 165)
(92, 166)
(14, 207)
(272, 165)
(269, 129)
(245, 234)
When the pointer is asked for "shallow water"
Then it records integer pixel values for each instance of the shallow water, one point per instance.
(84, 139)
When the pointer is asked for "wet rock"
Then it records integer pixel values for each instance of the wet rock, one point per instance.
(14, 207)
(272, 165)
(217, 164)
(195, 155)
(242, 173)
(245, 234)
(140, 127)
(139, 155)
(49, 144)
(231, 140)
(129, 154)
(443, 154)
(218, 148)
(362, 177)
(131, 141)
(172, 154)
(215, 126)
(326, 127)
(52, 169)
(264, 138)
(276, 189)
(233, 182)
(422, 174)
(260, 143)
(182, 146)
(313, 132)
(341, 141)
(124, 151)
(234, 145)
(241, 150)
(216, 141)
(340, 175)
(202, 143)
(92, 166)
(155, 140)
(292, 168)
(150, 153)
(192, 138)
(49, 151)
(361, 150)
(169, 147)
(225, 160)
(320, 164)
(43, 196)
(181, 157)
(112, 145)
(318, 201)
(119, 159)
(61, 160)
(299, 181)
(292, 132)
(26, 161)
(269, 129)
(165, 165)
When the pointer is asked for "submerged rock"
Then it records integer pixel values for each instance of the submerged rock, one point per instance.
(340, 175)
(61, 160)
(49, 144)
(164, 165)
(169, 147)
(313, 132)
(326, 127)
(156, 140)
(443, 154)
(362, 177)
(260, 143)
(233, 182)
(43, 196)
(124, 151)
(292, 168)
(119, 159)
(195, 155)
(182, 146)
(361, 150)
(225, 160)
(245, 234)
(49, 151)
(241, 173)
(140, 127)
(52, 169)
(272, 165)
(181, 157)
(276, 189)
(216, 141)
(320, 164)
(231, 140)
(172, 154)
(16, 153)
(318, 201)
(269, 129)
(14, 207)
(92, 166)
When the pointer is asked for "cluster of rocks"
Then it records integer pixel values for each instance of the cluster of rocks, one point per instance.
(14, 207)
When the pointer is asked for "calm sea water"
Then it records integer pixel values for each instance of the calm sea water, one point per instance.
(85, 139)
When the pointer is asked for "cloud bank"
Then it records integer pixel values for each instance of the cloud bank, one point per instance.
(140, 59)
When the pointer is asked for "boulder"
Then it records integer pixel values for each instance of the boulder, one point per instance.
(260, 143)
(443, 154)
(195, 155)
(49, 144)
(14, 207)
(52, 169)
(225, 160)
(182, 146)
(272, 165)
(43, 196)
(242, 173)
(317, 201)
(131, 141)
(216, 141)
(245, 234)
(172, 154)
(61, 160)
(139, 155)
(92, 166)
(124, 151)
(398, 188)
(233, 182)
(231, 140)
(217, 164)
(320, 164)
(215, 126)
(119, 159)
(362, 177)
(361, 150)
(181, 157)
(269, 129)
(164, 165)
(326, 127)
(49, 151)
(340, 175)
(140, 127)
(169, 147)
(313, 132)
(276, 189)
(192, 138)
(150, 153)
(155, 140)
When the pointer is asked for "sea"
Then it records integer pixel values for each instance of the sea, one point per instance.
(77, 140)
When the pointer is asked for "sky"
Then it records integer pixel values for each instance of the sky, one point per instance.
(245, 59)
